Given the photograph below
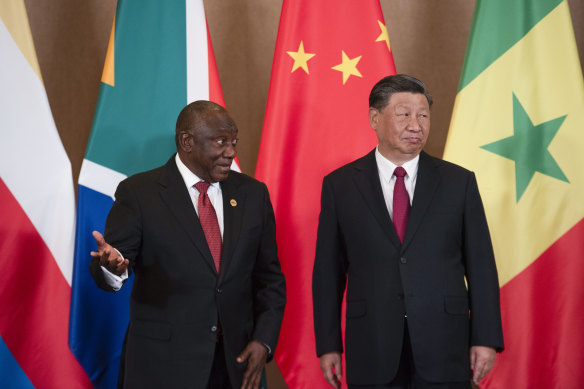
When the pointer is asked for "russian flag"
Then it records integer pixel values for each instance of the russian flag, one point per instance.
(37, 216)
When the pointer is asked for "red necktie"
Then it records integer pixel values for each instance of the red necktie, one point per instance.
(209, 222)
(401, 203)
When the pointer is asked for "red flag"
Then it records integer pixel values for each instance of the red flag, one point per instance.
(328, 57)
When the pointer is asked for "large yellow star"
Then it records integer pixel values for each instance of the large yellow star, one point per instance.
(348, 67)
(384, 36)
(300, 58)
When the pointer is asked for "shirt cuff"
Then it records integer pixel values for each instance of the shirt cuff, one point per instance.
(268, 347)
(113, 280)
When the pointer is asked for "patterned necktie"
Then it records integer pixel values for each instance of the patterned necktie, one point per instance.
(209, 222)
(401, 203)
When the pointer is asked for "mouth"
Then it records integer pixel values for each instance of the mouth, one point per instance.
(224, 167)
(414, 140)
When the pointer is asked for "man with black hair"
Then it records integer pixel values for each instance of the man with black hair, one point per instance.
(406, 235)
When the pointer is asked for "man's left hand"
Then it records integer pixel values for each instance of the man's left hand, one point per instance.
(255, 354)
(482, 360)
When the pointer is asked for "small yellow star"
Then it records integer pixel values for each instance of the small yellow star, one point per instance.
(384, 36)
(348, 67)
(300, 58)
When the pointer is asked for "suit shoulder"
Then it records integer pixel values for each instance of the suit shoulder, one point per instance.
(241, 179)
(350, 168)
(144, 178)
(449, 167)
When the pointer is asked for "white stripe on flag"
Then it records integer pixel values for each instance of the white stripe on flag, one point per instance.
(33, 162)
(197, 52)
(99, 178)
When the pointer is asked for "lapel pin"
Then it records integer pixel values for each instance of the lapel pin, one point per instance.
(233, 203)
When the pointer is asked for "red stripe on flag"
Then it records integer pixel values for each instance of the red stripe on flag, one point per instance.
(35, 301)
(314, 123)
(543, 320)
(215, 91)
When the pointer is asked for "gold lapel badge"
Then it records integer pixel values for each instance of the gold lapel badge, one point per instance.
(233, 203)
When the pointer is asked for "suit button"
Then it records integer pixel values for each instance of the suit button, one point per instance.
(219, 290)
(403, 260)
(214, 329)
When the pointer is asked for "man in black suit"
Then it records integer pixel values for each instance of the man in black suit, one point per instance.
(208, 295)
(402, 231)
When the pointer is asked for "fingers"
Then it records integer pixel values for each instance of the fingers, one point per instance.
(98, 239)
(109, 257)
(338, 372)
(478, 372)
(482, 361)
(244, 355)
(331, 367)
(251, 380)
(255, 354)
(120, 265)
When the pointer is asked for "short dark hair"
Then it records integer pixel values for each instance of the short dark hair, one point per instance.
(195, 112)
(387, 86)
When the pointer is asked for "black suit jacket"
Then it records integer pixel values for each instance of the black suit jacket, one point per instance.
(447, 239)
(177, 295)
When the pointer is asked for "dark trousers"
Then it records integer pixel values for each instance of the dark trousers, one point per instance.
(219, 378)
(407, 377)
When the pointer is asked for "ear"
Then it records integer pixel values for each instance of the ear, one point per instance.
(185, 141)
(373, 118)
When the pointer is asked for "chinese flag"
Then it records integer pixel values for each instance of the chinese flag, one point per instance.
(328, 56)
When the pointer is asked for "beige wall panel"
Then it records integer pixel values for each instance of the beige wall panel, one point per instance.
(71, 39)
(244, 38)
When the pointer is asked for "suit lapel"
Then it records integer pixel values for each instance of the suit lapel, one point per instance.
(426, 185)
(367, 181)
(233, 207)
(176, 197)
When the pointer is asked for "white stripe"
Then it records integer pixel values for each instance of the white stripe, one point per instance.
(33, 162)
(100, 178)
(197, 54)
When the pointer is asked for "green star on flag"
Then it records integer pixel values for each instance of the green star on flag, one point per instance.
(528, 147)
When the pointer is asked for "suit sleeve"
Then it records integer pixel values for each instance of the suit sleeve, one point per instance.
(123, 230)
(481, 273)
(328, 277)
(268, 282)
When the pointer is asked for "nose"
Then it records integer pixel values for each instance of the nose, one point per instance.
(414, 124)
(230, 151)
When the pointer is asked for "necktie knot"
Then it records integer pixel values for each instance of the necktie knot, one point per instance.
(400, 172)
(202, 186)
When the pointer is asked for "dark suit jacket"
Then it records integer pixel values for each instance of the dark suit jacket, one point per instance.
(447, 239)
(177, 295)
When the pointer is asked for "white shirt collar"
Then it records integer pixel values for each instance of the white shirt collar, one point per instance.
(188, 176)
(386, 167)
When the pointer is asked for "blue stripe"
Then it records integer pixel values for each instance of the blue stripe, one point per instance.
(11, 375)
(98, 319)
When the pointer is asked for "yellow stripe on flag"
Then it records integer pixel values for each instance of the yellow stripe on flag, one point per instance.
(546, 79)
(108, 75)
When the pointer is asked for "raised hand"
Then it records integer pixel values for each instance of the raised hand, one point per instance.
(109, 257)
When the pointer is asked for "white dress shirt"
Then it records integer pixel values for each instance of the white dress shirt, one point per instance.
(385, 168)
(190, 179)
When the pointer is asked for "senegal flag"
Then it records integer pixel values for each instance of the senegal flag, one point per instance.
(518, 122)
(159, 58)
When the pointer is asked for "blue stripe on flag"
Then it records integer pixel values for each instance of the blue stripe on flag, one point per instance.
(98, 319)
(11, 375)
